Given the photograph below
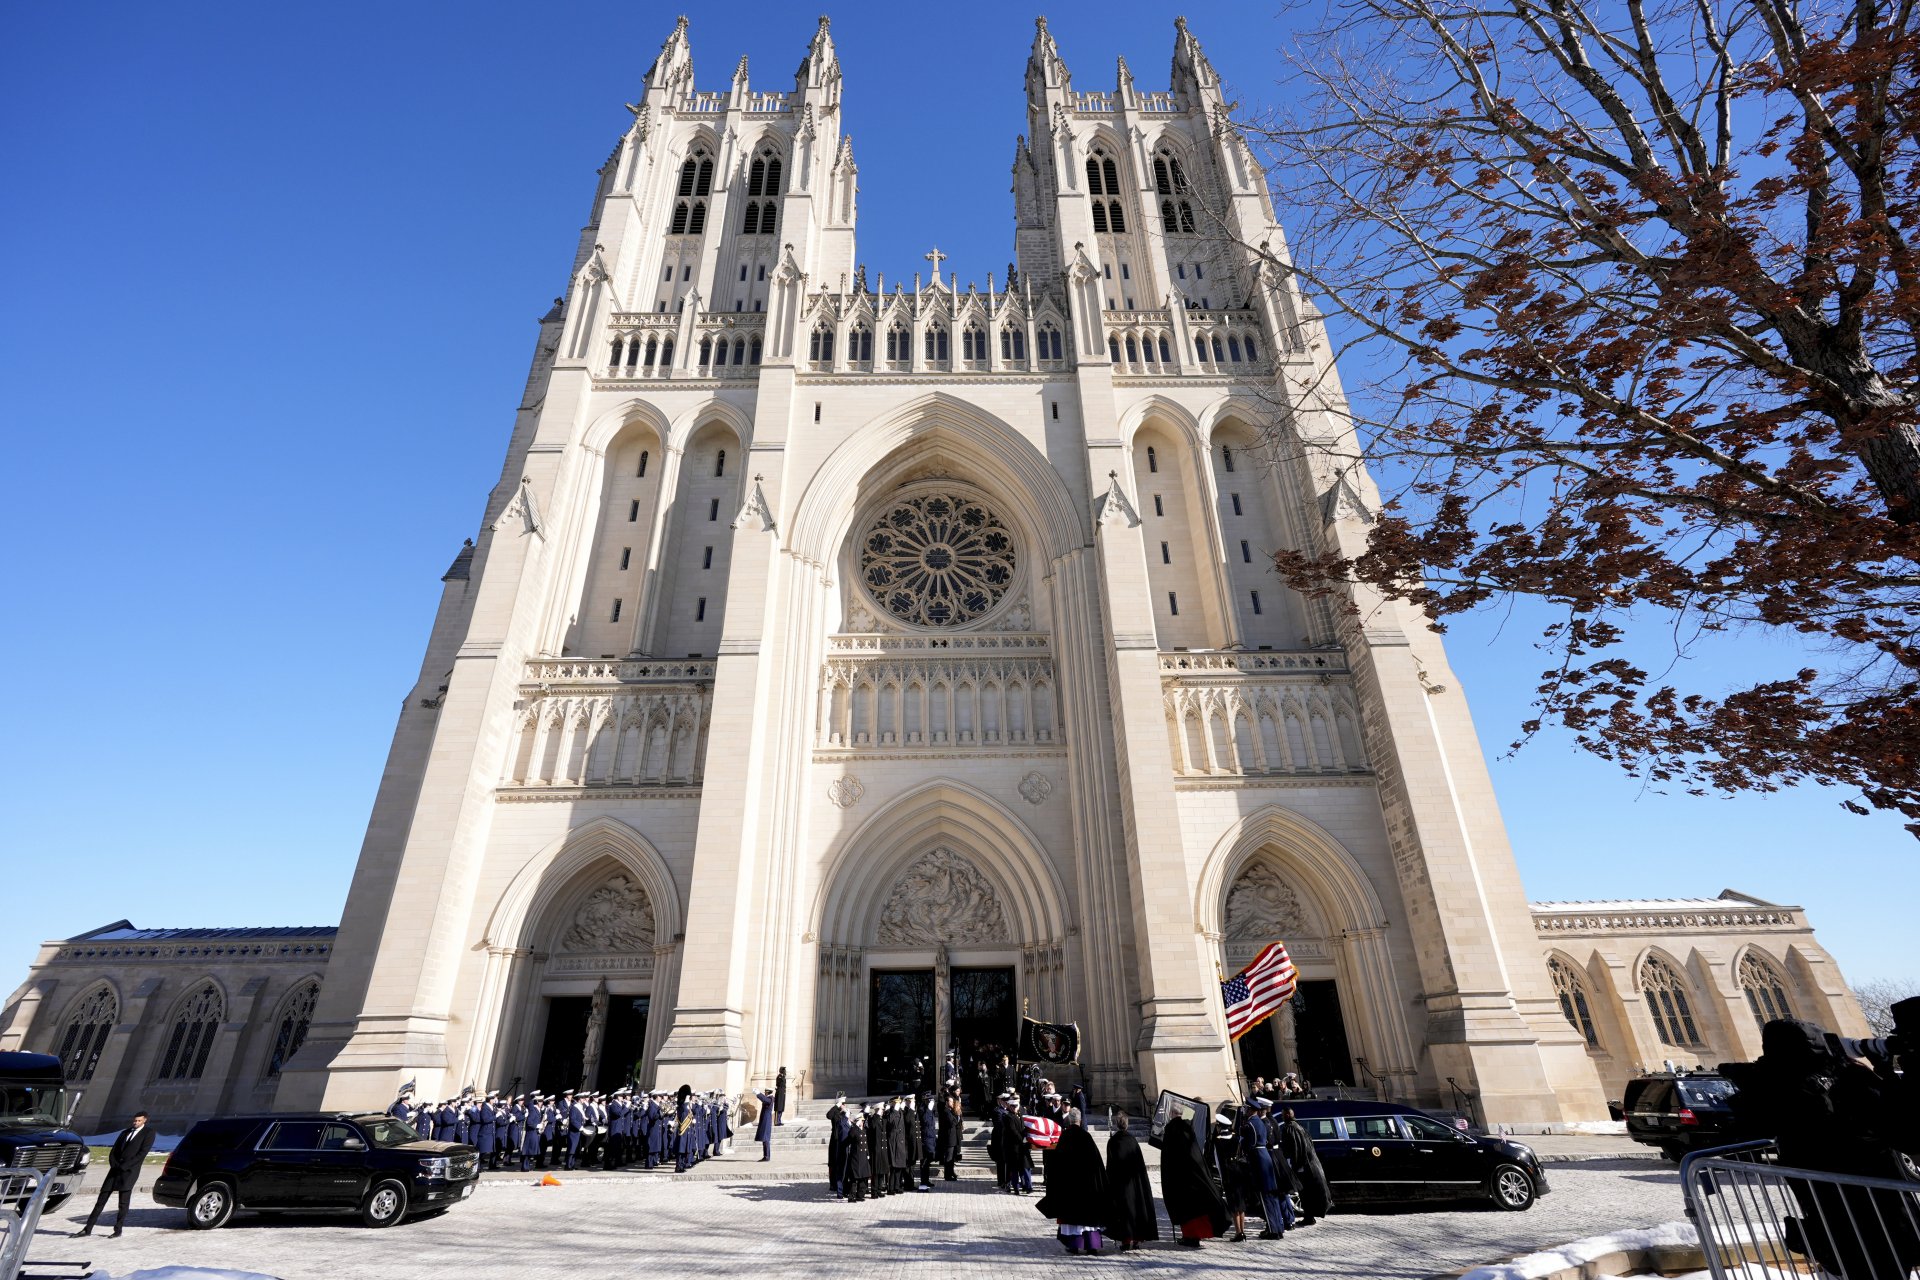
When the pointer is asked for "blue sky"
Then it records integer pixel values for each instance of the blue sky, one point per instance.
(271, 275)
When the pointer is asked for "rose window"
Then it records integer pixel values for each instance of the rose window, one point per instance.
(937, 560)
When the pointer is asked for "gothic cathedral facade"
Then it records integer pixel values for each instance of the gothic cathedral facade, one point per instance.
(846, 665)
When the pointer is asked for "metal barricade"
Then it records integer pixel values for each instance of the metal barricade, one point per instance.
(1761, 1220)
(27, 1188)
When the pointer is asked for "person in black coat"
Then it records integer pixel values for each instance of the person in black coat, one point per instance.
(1076, 1190)
(1130, 1216)
(952, 1127)
(1193, 1202)
(859, 1167)
(780, 1097)
(898, 1150)
(129, 1152)
(1296, 1147)
(764, 1134)
(837, 1145)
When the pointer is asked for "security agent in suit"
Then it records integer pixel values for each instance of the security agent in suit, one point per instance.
(129, 1152)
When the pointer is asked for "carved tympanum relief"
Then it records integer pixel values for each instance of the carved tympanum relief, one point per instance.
(942, 897)
(618, 916)
(1261, 904)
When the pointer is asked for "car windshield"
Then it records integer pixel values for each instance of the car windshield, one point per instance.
(389, 1133)
(1706, 1091)
(32, 1102)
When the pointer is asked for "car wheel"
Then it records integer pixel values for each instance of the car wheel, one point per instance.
(1512, 1188)
(210, 1206)
(385, 1205)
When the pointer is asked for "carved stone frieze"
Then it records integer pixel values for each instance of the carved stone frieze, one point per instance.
(1262, 904)
(616, 917)
(942, 898)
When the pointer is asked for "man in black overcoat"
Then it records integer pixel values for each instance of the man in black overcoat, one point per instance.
(129, 1152)
(1296, 1147)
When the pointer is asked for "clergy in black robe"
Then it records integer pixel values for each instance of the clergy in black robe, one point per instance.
(1131, 1217)
(837, 1145)
(780, 1097)
(1296, 1147)
(1076, 1190)
(1193, 1202)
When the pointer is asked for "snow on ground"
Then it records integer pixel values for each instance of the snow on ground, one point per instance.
(184, 1273)
(1536, 1265)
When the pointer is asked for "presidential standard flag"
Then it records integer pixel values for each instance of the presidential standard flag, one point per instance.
(1054, 1042)
(1256, 992)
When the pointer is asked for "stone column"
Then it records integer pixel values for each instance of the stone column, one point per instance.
(1178, 1046)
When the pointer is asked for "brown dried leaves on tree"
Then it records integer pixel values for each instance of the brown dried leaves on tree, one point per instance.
(1646, 277)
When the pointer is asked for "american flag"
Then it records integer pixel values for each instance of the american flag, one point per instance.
(1256, 992)
(1045, 1133)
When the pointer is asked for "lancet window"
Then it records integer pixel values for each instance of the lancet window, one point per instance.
(1666, 994)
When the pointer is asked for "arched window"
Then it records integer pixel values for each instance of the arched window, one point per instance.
(860, 345)
(1168, 222)
(820, 347)
(1162, 184)
(679, 224)
(697, 219)
(1573, 1000)
(1153, 459)
(1666, 994)
(296, 1016)
(899, 345)
(1013, 343)
(1200, 348)
(85, 1034)
(1099, 213)
(1103, 179)
(973, 343)
(1113, 348)
(1115, 219)
(1133, 350)
(1050, 343)
(703, 185)
(755, 350)
(194, 1029)
(1166, 353)
(936, 344)
(1766, 992)
(706, 352)
(689, 172)
(773, 175)
(720, 463)
(750, 219)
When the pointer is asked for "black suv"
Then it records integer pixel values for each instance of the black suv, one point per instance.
(1678, 1112)
(321, 1163)
(1383, 1151)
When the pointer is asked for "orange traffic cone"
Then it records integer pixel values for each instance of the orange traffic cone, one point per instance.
(548, 1181)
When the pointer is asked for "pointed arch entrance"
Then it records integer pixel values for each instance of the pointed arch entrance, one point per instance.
(582, 965)
(1277, 876)
(939, 919)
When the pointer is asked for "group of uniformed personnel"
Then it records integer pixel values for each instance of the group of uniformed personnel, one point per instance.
(576, 1129)
(885, 1148)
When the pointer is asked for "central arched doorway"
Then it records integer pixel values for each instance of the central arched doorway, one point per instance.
(940, 922)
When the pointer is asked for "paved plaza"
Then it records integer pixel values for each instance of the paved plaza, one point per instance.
(736, 1217)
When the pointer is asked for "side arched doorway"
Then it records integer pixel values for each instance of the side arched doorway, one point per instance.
(1278, 877)
(583, 996)
(940, 921)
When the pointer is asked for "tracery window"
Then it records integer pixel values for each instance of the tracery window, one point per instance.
(973, 343)
(296, 1018)
(1049, 343)
(1766, 991)
(85, 1036)
(860, 345)
(1103, 183)
(1170, 183)
(937, 343)
(1572, 994)
(899, 345)
(695, 185)
(820, 346)
(194, 1029)
(937, 559)
(763, 179)
(1013, 343)
(1666, 994)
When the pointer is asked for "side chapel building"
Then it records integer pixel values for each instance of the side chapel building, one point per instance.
(844, 665)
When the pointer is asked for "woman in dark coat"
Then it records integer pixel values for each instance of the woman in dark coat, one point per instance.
(1076, 1190)
(1227, 1157)
(1193, 1202)
(859, 1168)
(780, 1097)
(1316, 1194)
(1131, 1217)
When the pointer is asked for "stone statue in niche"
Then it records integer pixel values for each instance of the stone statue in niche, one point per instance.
(942, 898)
(616, 917)
(1262, 905)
